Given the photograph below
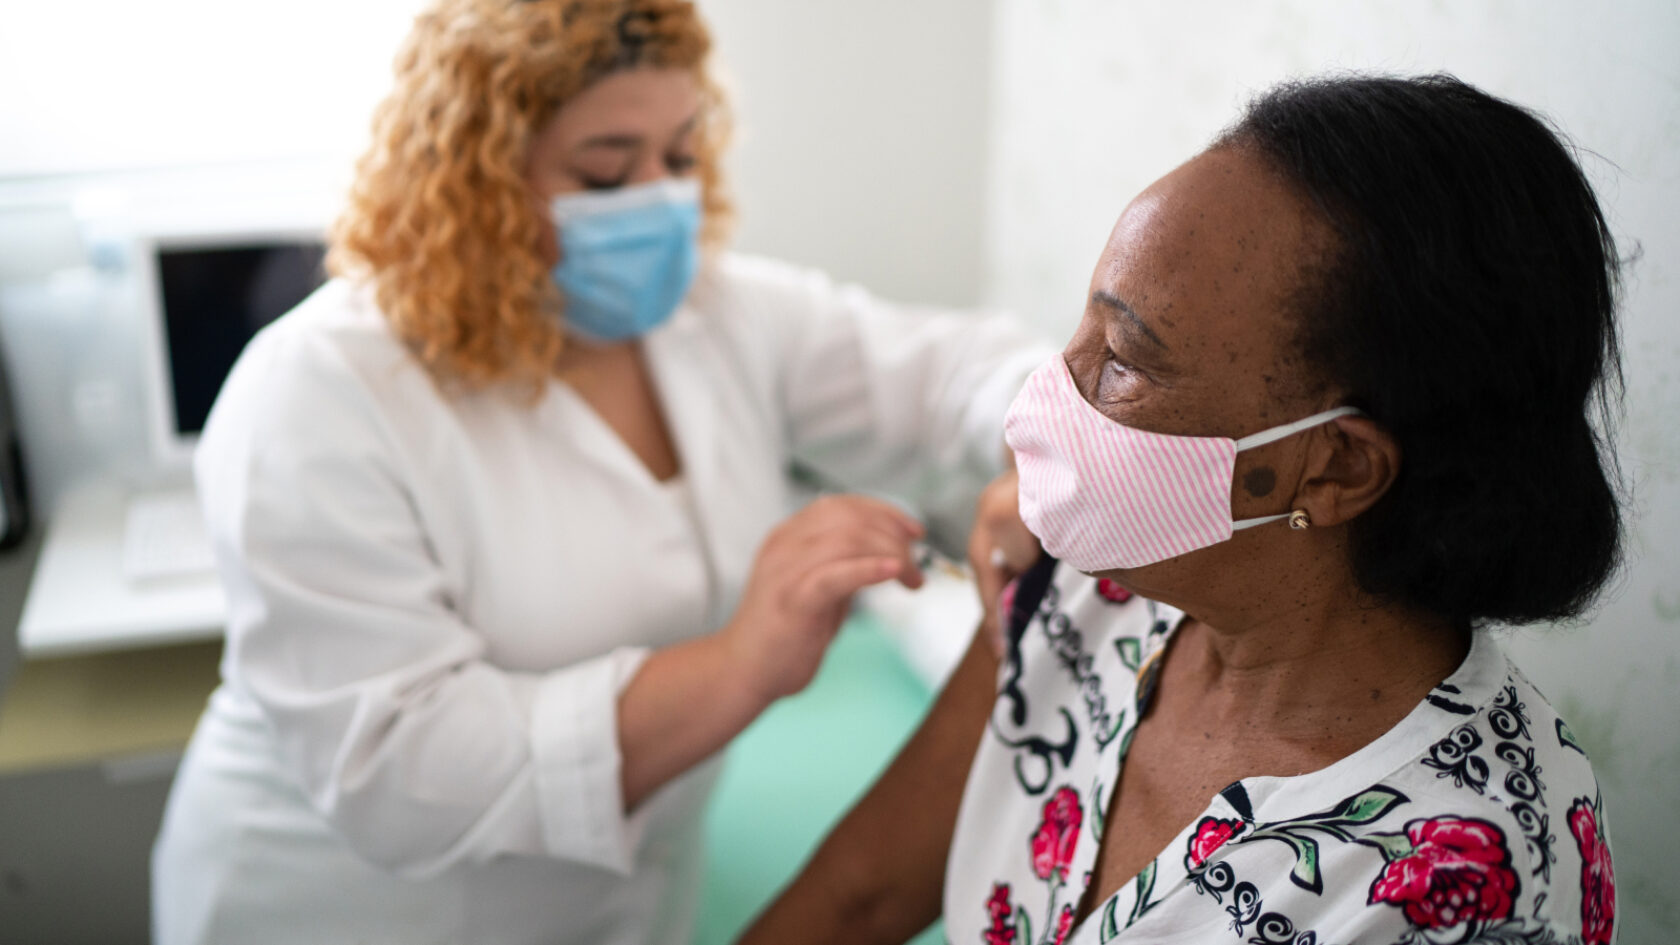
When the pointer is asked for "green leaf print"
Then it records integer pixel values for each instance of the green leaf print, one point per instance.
(1394, 846)
(1367, 807)
(1305, 871)
(1145, 886)
(1126, 741)
(1109, 929)
(1567, 739)
(1131, 652)
(1362, 808)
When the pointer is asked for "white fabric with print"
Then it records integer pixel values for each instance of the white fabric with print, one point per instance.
(1476, 818)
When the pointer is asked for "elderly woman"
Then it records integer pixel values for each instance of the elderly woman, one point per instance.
(502, 510)
(1330, 414)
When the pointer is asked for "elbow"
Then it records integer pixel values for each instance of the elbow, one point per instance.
(873, 905)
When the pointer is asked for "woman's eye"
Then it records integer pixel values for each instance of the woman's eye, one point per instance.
(592, 183)
(1119, 381)
(680, 164)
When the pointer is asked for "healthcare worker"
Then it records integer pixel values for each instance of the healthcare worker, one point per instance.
(502, 510)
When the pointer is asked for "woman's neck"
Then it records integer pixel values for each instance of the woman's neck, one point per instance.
(1332, 673)
(581, 359)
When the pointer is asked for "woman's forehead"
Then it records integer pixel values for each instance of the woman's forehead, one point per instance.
(1218, 245)
(645, 101)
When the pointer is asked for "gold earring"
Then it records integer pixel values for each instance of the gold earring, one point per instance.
(1299, 520)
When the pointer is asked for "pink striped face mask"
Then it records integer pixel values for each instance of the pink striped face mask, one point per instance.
(1101, 495)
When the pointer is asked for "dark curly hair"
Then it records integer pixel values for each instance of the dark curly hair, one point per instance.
(1469, 306)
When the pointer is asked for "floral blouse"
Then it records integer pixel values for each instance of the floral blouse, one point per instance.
(1476, 819)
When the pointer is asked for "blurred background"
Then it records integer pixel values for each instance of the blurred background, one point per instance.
(964, 152)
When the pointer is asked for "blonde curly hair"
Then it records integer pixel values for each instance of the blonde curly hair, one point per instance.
(441, 220)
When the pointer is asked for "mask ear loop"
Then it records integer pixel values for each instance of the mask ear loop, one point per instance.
(1278, 433)
(1290, 429)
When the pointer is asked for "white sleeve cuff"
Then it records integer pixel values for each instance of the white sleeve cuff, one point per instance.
(575, 755)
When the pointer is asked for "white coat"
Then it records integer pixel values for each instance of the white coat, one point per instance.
(435, 600)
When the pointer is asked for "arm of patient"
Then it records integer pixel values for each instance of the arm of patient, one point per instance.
(879, 875)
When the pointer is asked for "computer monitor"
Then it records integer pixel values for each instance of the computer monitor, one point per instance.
(208, 294)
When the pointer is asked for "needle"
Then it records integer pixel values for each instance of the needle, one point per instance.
(928, 559)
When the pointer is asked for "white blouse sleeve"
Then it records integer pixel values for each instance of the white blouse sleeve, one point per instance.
(903, 400)
(343, 630)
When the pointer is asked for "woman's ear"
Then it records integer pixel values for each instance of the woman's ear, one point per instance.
(1353, 464)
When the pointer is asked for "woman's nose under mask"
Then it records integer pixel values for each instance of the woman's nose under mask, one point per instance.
(627, 256)
(1101, 495)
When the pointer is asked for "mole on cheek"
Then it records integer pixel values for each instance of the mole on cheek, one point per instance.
(1260, 482)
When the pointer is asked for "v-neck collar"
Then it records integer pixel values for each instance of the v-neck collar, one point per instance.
(679, 392)
(1272, 798)
(1473, 683)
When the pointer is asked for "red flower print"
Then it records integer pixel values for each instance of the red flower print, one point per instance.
(1002, 931)
(1598, 877)
(1112, 591)
(1211, 834)
(1457, 870)
(1052, 845)
(1064, 924)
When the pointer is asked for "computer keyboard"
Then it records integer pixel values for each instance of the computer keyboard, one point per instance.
(164, 537)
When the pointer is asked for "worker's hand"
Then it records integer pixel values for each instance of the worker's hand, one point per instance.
(1000, 549)
(802, 585)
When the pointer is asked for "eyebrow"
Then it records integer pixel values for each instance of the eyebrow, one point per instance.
(615, 142)
(624, 142)
(1114, 303)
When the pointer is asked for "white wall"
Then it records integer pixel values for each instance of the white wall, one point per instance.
(863, 123)
(1095, 99)
(863, 137)
(106, 84)
(862, 146)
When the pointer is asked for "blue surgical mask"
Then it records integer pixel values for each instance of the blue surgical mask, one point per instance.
(627, 256)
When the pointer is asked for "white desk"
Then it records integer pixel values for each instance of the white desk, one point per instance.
(80, 601)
